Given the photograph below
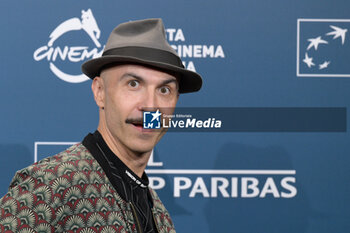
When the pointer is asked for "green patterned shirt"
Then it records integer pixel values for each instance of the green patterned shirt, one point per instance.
(70, 192)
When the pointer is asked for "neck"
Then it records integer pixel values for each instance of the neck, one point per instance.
(136, 161)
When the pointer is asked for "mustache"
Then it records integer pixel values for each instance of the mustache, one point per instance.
(134, 121)
(137, 121)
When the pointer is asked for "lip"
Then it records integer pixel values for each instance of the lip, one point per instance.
(141, 129)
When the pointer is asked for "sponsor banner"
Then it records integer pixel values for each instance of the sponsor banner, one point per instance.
(245, 119)
(323, 48)
(45, 149)
(190, 52)
(65, 52)
(226, 183)
(60, 52)
(205, 183)
(223, 183)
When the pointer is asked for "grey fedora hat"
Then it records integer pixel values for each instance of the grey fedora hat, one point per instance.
(143, 42)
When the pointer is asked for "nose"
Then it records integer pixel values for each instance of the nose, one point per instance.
(149, 100)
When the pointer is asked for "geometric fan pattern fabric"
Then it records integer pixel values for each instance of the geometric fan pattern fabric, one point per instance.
(70, 192)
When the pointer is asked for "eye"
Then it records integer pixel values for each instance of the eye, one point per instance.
(164, 90)
(133, 83)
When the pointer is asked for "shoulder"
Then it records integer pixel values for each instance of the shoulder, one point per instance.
(74, 159)
(43, 195)
(52, 176)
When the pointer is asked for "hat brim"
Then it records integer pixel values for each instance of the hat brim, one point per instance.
(189, 81)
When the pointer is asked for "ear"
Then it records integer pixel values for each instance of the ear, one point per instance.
(97, 87)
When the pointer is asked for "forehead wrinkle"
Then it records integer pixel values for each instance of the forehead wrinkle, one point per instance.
(130, 74)
(105, 75)
(109, 76)
(171, 80)
(140, 78)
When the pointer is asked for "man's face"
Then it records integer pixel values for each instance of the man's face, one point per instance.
(124, 92)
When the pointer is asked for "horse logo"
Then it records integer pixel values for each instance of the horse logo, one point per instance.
(88, 24)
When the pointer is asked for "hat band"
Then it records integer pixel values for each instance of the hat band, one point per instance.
(148, 54)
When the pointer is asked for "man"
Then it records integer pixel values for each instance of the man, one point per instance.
(100, 185)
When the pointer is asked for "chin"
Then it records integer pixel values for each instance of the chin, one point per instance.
(146, 142)
(142, 147)
(141, 150)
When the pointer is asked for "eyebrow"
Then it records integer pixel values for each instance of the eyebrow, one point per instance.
(133, 75)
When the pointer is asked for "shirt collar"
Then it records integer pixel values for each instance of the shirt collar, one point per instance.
(123, 170)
